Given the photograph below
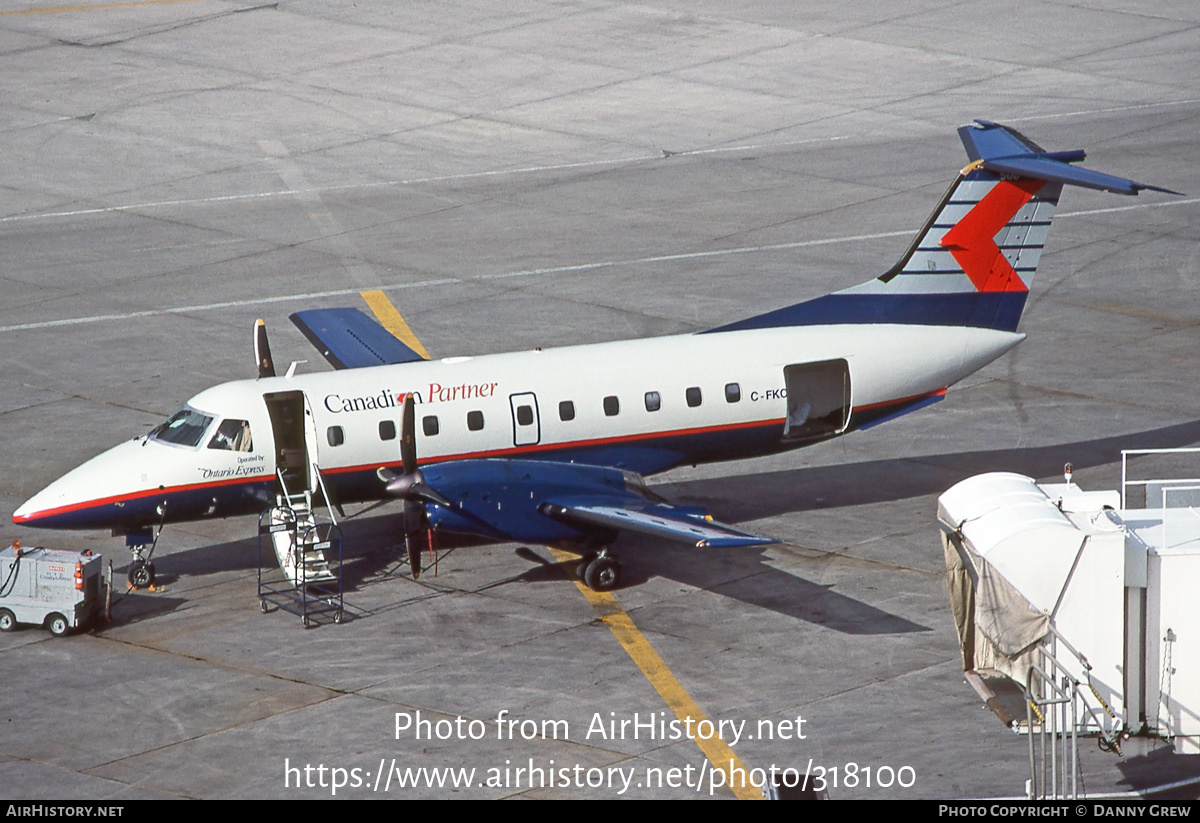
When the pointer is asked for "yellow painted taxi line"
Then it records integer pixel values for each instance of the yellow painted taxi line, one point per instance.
(719, 754)
(391, 320)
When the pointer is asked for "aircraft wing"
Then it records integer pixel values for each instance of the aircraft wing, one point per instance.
(545, 502)
(659, 519)
(349, 339)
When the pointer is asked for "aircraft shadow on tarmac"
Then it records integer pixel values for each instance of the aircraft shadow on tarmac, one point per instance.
(756, 496)
(374, 546)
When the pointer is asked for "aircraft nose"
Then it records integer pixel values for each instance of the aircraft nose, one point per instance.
(53, 505)
(90, 496)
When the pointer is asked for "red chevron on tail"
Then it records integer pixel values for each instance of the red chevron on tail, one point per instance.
(972, 240)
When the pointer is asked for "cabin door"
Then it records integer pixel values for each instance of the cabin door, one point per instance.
(818, 400)
(527, 427)
(294, 429)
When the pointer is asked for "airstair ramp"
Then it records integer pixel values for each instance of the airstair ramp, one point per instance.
(1081, 601)
(307, 581)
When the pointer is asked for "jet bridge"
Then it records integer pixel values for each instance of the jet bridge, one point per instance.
(1087, 605)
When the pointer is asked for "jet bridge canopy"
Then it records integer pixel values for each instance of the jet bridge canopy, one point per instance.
(1035, 567)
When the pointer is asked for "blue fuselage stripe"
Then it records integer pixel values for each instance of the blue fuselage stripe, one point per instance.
(988, 310)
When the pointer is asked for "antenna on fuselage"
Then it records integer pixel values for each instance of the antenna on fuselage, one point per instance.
(262, 350)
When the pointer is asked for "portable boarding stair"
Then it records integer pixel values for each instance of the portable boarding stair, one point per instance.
(307, 581)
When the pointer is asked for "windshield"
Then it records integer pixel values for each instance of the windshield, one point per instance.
(185, 428)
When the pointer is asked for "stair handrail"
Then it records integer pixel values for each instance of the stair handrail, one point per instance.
(324, 493)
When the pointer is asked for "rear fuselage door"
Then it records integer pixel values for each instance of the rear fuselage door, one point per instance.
(818, 399)
(527, 428)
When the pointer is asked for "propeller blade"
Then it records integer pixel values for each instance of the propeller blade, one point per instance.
(410, 486)
(262, 350)
(413, 512)
(408, 436)
(426, 493)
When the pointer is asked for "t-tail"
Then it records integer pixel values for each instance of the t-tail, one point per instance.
(973, 262)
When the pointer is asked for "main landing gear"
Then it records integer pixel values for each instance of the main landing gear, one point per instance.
(599, 570)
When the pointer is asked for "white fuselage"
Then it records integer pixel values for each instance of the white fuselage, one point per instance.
(680, 399)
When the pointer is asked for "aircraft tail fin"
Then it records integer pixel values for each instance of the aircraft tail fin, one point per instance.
(973, 262)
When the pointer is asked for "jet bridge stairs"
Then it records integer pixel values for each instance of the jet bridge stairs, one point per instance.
(308, 581)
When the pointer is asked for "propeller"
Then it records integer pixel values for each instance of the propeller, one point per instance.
(411, 487)
(262, 350)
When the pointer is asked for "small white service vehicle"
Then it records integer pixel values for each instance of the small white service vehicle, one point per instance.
(58, 589)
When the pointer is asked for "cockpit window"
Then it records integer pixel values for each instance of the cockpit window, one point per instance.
(184, 428)
(232, 435)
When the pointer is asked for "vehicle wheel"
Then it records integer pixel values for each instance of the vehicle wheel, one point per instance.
(262, 606)
(584, 562)
(141, 574)
(603, 574)
(57, 625)
(7, 621)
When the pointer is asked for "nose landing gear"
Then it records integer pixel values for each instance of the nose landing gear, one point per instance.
(141, 570)
(141, 544)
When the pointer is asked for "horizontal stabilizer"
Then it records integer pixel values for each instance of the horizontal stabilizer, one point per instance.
(349, 339)
(1005, 151)
(648, 517)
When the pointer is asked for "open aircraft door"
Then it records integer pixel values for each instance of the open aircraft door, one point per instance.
(818, 400)
(295, 433)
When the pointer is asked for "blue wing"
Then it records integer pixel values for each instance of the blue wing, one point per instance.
(682, 524)
(543, 502)
(349, 339)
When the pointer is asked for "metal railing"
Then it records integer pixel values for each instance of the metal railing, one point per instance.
(1057, 700)
(1174, 482)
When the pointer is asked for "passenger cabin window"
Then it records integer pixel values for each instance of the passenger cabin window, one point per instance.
(475, 420)
(335, 435)
(693, 396)
(185, 427)
(733, 392)
(566, 410)
(524, 415)
(612, 406)
(429, 425)
(232, 435)
(653, 401)
(387, 430)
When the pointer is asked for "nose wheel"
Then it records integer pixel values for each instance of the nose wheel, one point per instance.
(141, 574)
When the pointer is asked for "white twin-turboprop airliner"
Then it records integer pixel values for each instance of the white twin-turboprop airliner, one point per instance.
(551, 446)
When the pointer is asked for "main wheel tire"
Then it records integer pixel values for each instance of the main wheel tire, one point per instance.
(57, 625)
(8, 621)
(603, 574)
(584, 562)
(141, 574)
